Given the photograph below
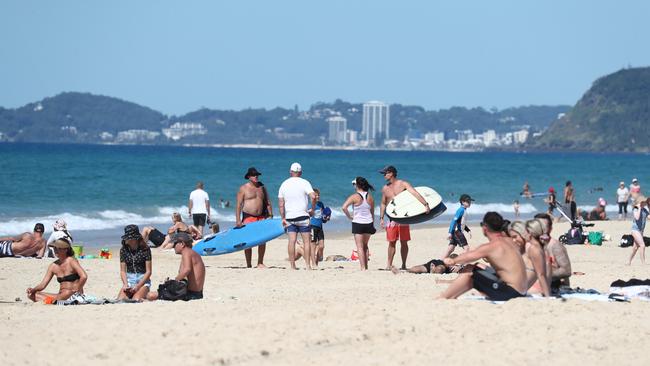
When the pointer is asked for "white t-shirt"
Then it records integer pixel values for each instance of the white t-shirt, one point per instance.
(295, 192)
(622, 194)
(199, 197)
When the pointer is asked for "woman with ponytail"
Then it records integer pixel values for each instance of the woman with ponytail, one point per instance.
(537, 238)
(362, 217)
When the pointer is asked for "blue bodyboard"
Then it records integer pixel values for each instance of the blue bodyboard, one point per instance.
(240, 238)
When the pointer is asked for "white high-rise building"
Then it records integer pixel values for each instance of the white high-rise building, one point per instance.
(337, 127)
(376, 121)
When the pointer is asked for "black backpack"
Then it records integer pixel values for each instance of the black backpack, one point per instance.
(172, 290)
(627, 241)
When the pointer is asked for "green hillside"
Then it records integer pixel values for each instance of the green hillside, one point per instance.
(613, 116)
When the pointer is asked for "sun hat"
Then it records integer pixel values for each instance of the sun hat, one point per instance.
(621, 183)
(296, 167)
(602, 202)
(131, 232)
(60, 225)
(252, 172)
(61, 244)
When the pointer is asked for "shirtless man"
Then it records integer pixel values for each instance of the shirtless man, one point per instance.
(25, 244)
(253, 204)
(557, 256)
(395, 231)
(505, 279)
(191, 269)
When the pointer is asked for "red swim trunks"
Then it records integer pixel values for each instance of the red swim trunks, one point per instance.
(395, 231)
(249, 219)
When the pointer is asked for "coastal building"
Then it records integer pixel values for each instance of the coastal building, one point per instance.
(434, 137)
(464, 135)
(519, 137)
(337, 129)
(136, 135)
(351, 137)
(376, 122)
(183, 129)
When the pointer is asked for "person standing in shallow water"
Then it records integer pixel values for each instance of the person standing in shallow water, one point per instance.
(199, 207)
(253, 204)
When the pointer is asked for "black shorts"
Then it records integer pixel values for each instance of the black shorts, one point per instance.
(458, 239)
(487, 281)
(199, 219)
(363, 228)
(193, 295)
(156, 237)
(317, 234)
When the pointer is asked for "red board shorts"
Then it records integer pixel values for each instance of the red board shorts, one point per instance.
(249, 219)
(395, 231)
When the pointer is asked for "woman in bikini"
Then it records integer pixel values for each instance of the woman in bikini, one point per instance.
(532, 254)
(68, 272)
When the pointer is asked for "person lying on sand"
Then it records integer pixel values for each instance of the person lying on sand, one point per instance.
(191, 268)
(436, 266)
(25, 244)
(177, 226)
(504, 279)
(69, 273)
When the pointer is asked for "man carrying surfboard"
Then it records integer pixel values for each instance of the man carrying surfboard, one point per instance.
(395, 231)
(253, 204)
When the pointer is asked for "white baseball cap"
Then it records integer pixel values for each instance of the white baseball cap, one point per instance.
(634, 180)
(295, 167)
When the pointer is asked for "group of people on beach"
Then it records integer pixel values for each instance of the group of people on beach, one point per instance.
(520, 258)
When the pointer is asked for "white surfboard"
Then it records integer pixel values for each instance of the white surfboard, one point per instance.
(406, 209)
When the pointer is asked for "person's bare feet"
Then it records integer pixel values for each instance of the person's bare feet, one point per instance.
(394, 270)
(261, 265)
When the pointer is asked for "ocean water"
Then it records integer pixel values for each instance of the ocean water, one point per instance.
(98, 189)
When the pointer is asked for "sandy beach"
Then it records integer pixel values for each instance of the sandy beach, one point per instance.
(334, 315)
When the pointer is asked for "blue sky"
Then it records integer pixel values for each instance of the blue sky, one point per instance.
(177, 56)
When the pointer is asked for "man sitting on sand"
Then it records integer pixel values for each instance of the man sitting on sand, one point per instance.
(191, 269)
(505, 279)
(25, 244)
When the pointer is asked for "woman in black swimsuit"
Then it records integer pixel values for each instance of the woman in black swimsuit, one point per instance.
(68, 272)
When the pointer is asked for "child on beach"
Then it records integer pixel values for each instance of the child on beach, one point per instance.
(457, 226)
(316, 225)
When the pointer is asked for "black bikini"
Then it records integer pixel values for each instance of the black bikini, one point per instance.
(69, 278)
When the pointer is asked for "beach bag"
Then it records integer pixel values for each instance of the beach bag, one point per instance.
(626, 241)
(575, 236)
(172, 290)
(595, 238)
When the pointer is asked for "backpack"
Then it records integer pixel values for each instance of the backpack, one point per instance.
(575, 236)
(627, 241)
(172, 290)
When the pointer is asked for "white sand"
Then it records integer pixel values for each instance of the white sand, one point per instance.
(336, 315)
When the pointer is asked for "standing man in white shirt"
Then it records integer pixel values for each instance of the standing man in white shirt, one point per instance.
(199, 206)
(293, 201)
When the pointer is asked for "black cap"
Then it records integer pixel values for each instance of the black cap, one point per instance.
(388, 168)
(252, 172)
(465, 198)
(131, 232)
(39, 228)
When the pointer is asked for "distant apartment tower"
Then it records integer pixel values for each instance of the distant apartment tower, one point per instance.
(376, 121)
(338, 125)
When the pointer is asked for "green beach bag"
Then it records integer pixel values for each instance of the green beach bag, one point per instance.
(596, 238)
